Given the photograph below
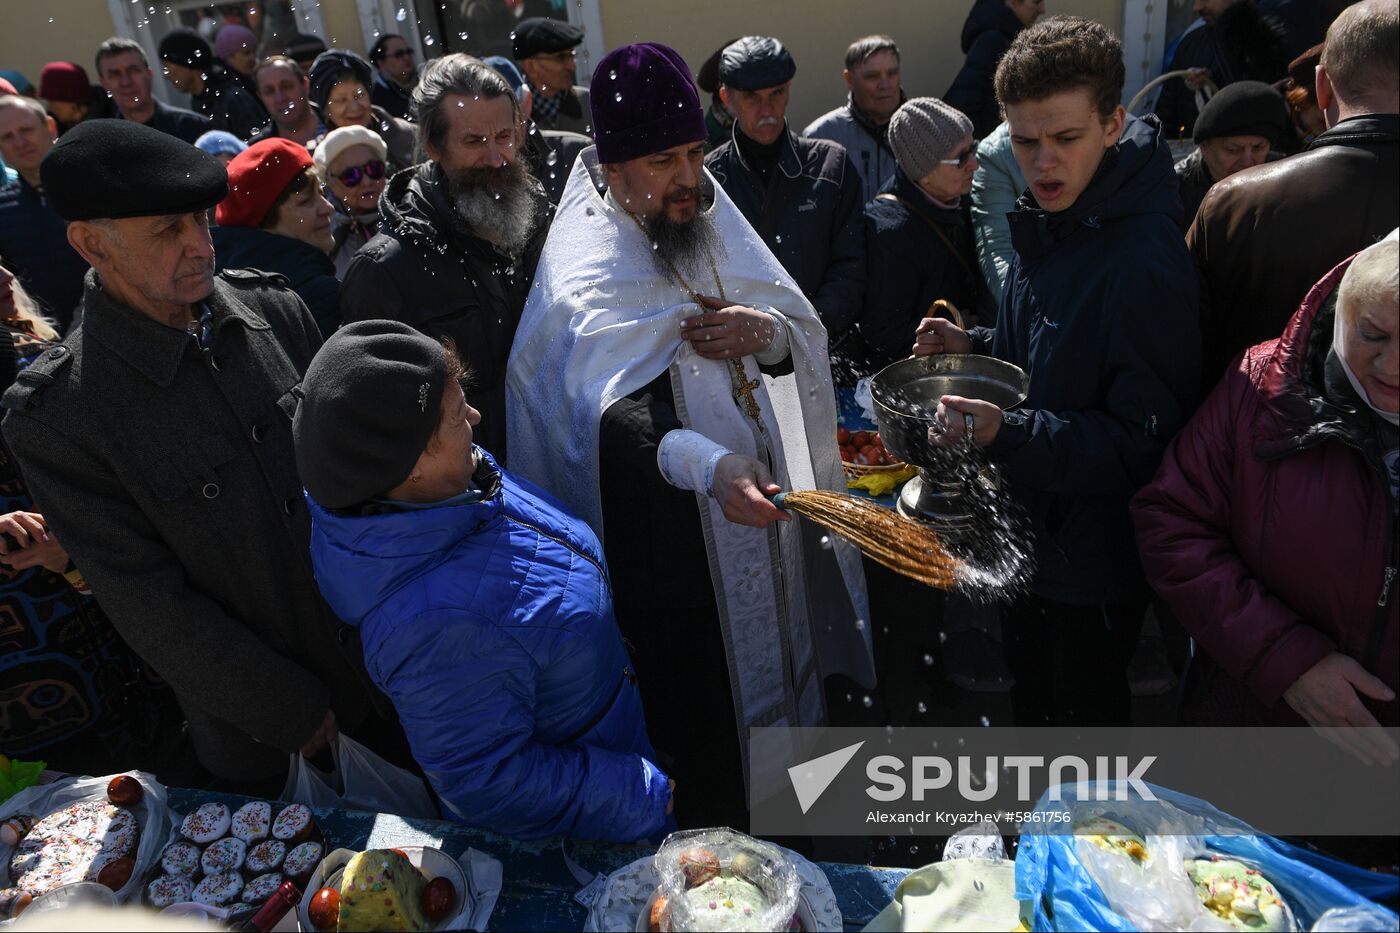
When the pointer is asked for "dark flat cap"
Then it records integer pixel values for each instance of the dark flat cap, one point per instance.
(542, 34)
(186, 47)
(1244, 108)
(754, 63)
(115, 168)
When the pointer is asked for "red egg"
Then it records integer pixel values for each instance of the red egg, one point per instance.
(125, 791)
(438, 897)
(324, 909)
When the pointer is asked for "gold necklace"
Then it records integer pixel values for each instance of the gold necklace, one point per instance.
(742, 388)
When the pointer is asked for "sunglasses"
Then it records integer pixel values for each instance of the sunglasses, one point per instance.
(961, 160)
(355, 174)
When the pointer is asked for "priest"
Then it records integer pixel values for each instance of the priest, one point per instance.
(667, 377)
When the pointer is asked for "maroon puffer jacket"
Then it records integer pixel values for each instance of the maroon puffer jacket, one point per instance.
(1269, 531)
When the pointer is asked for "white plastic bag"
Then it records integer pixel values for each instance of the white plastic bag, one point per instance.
(154, 817)
(371, 783)
(361, 780)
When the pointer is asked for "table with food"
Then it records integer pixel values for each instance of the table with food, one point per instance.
(221, 861)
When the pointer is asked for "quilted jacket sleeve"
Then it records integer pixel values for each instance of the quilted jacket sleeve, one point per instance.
(468, 705)
(1183, 520)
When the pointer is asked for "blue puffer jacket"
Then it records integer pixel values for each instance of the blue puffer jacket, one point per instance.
(1101, 309)
(490, 626)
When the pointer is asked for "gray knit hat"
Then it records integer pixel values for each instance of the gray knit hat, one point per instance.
(923, 131)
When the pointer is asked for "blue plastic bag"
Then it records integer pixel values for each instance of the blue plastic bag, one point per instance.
(1052, 874)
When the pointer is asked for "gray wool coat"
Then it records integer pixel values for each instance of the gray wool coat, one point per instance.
(168, 473)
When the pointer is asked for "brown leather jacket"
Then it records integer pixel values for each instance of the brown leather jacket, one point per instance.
(1263, 236)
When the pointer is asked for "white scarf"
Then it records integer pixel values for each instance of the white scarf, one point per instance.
(1341, 332)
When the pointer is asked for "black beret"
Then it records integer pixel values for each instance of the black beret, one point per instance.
(542, 34)
(115, 168)
(754, 63)
(186, 47)
(371, 399)
(1244, 108)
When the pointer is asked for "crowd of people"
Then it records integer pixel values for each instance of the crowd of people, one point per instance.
(443, 404)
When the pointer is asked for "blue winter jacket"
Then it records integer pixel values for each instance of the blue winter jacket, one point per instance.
(1101, 309)
(490, 627)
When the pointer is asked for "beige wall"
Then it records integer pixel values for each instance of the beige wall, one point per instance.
(28, 41)
(343, 29)
(817, 32)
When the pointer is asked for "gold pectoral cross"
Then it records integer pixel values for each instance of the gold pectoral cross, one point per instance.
(744, 390)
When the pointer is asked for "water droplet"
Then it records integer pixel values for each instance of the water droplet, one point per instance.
(612, 75)
(50, 19)
(985, 721)
(618, 97)
(462, 36)
(401, 15)
(922, 707)
(928, 660)
(866, 701)
(826, 542)
(428, 40)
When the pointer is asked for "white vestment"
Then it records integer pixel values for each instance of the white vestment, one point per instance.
(602, 321)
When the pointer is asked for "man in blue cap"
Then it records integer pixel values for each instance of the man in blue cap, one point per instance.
(549, 153)
(670, 337)
(803, 196)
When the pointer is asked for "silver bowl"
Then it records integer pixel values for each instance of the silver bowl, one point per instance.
(906, 397)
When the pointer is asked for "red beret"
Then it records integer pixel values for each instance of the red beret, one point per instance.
(257, 176)
(65, 81)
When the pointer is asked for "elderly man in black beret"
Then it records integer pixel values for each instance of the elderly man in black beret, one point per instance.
(158, 439)
(1235, 131)
(546, 50)
(802, 195)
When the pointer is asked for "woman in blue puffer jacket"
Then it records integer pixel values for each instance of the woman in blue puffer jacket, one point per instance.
(484, 609)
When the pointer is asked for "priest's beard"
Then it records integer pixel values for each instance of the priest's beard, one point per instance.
(501, 205)
(686, 246)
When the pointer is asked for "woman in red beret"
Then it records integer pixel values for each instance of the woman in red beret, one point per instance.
(276, 219)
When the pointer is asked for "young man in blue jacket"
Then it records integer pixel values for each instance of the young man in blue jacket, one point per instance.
(1101, 310)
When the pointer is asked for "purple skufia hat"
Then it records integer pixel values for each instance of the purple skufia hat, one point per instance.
(643, 101)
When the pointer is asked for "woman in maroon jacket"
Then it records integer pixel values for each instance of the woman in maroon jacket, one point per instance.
(1270, 528)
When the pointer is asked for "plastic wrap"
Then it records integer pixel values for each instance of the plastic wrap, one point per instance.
(1077, 885)
(153, 817)
(698, 868)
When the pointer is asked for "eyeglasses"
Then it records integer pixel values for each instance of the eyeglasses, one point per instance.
(961, 160)
(401, 53)
(355, 174)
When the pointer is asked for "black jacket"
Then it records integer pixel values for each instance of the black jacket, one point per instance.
(809, 215)
(1264, 236)
(911, 266)
(427, 269)
(167, 472)
(550, 154)
(986, 36)
(310, 272)
(1100, 309)
(178, 122)
(34, 246)
(388, 95)
(1194, 178)
(229, 105)
(1243, 44)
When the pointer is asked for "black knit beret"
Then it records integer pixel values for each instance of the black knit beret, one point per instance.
(542, 34)
(186, 47)
(372, 398)
(1244, 108)
(116, 168)
(754, 63)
